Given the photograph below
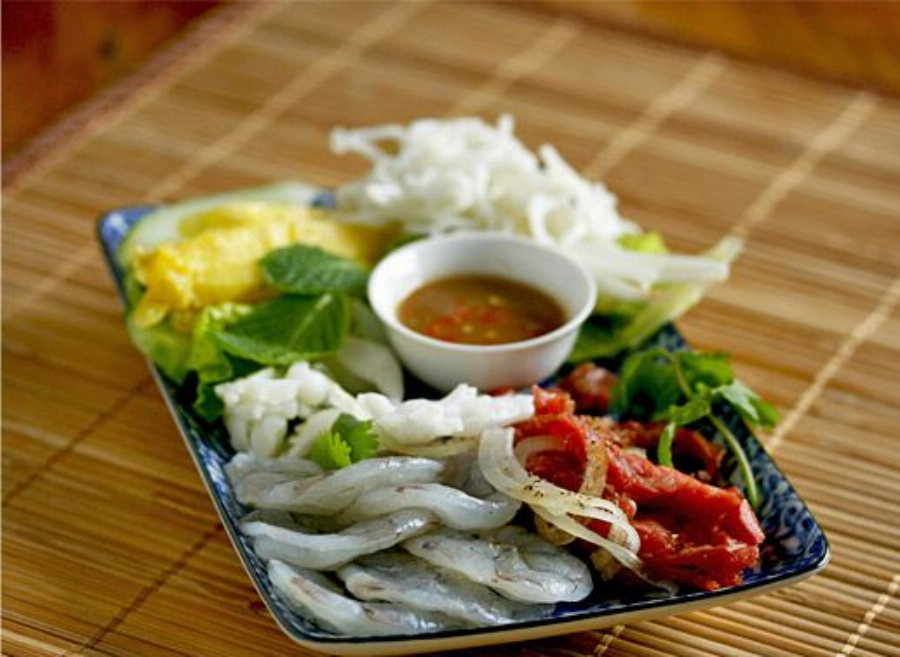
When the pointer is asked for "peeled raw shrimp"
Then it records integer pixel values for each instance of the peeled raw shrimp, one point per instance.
(325, 551)
(514, 562)
(251, 476)
(313, 595)
(333, 491)
(455, 508)
(403, 578)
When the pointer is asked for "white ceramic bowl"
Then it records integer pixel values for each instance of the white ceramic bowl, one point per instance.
(444, 365)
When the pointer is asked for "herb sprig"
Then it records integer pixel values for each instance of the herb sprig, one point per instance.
(348, 441)
(682, 388)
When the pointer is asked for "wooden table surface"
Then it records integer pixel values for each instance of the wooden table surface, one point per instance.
(110, 543)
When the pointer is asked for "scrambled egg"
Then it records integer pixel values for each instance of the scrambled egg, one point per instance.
(216, 261)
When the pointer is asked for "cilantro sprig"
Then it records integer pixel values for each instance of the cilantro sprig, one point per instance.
(682, 388)
(348, 441)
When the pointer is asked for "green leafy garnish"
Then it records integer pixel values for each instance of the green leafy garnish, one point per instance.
(348, 441)
(207, 357)
(301, 269)
(287, 329)
(682, 388)
(168, 348)
(178, 353)
(600, 338)
(330, 451)
(210, 362)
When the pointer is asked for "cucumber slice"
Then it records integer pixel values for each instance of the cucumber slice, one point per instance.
(162, 225)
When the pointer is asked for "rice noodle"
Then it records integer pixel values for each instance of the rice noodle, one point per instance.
(435, 176)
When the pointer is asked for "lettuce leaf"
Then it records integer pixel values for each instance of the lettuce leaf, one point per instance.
(166, 347)
(207, 357)
(629, 324)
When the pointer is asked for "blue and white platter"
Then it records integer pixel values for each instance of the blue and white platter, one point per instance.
(795, 546)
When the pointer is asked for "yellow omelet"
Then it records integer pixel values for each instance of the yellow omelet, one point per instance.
(217, 258)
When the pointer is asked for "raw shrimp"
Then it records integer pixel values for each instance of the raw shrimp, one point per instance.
(251, 476)
(333, 491)
(403, 578)
(514, 562)
(455, 508)
(326, 551)
(312, 595)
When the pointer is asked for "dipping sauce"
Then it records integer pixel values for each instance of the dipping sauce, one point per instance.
(481, 310)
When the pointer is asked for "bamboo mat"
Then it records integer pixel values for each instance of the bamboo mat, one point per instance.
(110, 544)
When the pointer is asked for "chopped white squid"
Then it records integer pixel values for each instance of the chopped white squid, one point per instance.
(455, 508)
(326, 551)
(459, 418)
(403, 578)
(258, 409)
(434, 176)
(314, 596)
(514, 562)
(332, 491)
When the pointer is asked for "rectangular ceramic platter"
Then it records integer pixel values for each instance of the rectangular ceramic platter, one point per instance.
(795, 546)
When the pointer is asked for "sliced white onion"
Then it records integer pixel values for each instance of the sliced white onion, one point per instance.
(556, 505)
(535, 445)
(506, 474)
(627, 556)
(375, 363)
(437, 449)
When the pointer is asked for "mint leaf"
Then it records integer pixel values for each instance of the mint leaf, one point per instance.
(330, 451)
(207, 403)
(287, 329)
(301, 269)
(754, 410)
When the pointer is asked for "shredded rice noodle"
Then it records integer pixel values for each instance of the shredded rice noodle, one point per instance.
(435, 176)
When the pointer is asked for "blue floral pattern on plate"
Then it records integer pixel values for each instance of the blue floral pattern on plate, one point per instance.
(795, 545)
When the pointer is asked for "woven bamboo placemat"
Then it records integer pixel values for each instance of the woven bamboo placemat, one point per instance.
(110, 544)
